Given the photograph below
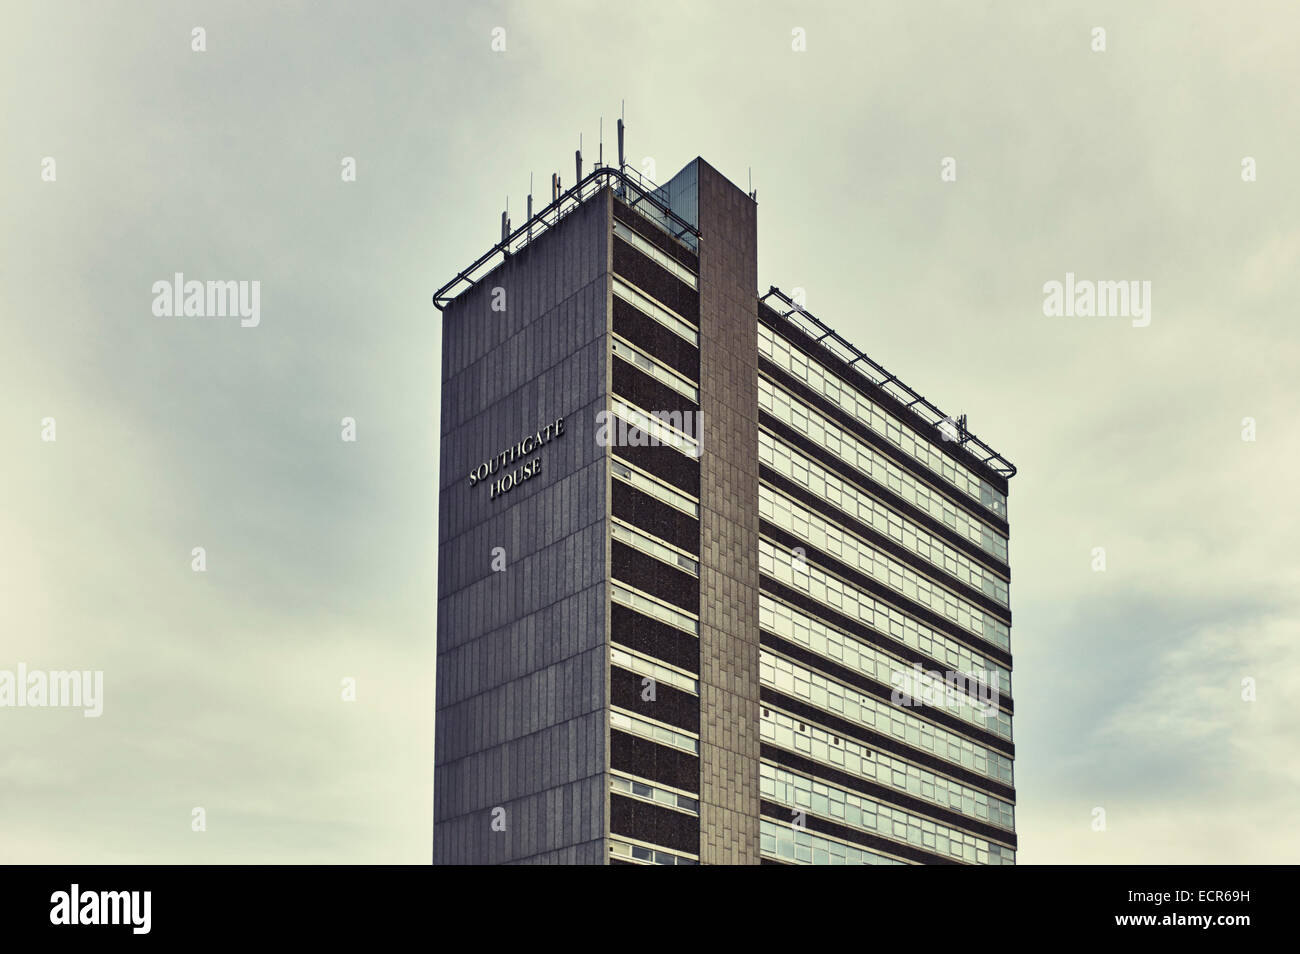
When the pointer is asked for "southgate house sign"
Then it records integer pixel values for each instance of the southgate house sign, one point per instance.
(525, 470)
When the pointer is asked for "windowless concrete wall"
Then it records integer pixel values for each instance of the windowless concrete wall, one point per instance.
(522, 656)
(729, 638)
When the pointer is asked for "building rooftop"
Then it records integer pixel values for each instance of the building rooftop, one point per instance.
(671, 208)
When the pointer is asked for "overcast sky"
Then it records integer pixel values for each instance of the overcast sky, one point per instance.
(222, 688)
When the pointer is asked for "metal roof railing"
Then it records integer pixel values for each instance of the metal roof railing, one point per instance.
(950, 429)
(637, 192)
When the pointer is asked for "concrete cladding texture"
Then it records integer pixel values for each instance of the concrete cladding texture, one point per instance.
(729, 676)
(522, 671)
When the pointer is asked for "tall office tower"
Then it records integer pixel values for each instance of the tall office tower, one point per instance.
(714, 587)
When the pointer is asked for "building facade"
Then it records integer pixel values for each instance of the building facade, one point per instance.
(714, 586)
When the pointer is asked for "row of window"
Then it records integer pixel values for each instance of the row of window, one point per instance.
(661, 373)
(881, 667)
(645, 666)
(811, 526)
(848, 398)
(652, 252)
(795, 680)
(860, 456)
(803, 847)
(634, 537)
(655, 487)
(822, 745)
(653, 792)
(654, 608)
(646, 855)
(816, 479)
(656, 731)
(867, 814)
(655, 311)
(881, 617)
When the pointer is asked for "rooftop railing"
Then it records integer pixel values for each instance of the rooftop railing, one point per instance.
(950, 429)
(631, 188)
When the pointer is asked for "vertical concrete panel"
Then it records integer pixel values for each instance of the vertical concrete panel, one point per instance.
(729, 640)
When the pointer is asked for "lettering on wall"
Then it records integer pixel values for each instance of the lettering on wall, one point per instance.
(511, 464)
